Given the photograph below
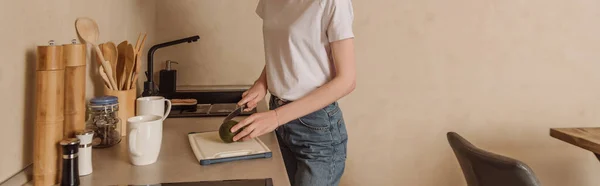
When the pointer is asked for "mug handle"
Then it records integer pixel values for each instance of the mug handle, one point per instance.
(132, 142)
(168, 109)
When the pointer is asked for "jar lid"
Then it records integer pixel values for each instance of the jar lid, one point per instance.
(104, 100)
(69, 141)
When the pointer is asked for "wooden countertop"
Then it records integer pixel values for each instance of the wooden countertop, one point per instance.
(586, 138)
(177, 163)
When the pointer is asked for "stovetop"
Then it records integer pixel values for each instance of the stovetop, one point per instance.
(246, 182)
(207, 110)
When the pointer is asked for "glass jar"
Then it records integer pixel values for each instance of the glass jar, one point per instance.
(104, 121)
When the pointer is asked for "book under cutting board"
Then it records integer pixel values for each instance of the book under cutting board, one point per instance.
(210, 149)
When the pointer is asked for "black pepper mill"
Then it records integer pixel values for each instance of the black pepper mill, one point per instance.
(70, 167)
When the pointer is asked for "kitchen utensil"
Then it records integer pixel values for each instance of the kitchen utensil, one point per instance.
(70, 162)
(111, 54)
(103, 119)
(74, 56)
(145, 138)
(88, 31)
(49, 114)
(136, 56)
(138, 60)
(138, 42)
(105, 78)
(101, 46)
(134, 80)
(139, 49)
(210, 149)
(153, 105)
(109, 75)
(122, 50)
(129, 62)
(85, 151)
(234, 114)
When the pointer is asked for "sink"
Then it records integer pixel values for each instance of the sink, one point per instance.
(212, 100)
(209, 94)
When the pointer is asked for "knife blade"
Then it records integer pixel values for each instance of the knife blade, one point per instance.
(234, 114)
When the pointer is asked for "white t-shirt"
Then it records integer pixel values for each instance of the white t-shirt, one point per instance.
(296, 35)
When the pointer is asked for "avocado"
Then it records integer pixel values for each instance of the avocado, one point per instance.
(225, 131)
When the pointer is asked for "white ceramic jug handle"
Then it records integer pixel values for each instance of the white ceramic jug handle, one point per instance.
(132, 143)
(168, 109)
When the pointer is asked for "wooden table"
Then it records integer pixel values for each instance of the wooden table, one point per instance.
(586, 138)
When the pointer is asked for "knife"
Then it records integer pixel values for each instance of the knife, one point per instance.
(234, 114)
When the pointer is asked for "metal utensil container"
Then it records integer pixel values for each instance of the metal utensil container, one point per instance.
(104, 121)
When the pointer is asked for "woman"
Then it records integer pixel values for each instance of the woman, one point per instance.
(309, 52)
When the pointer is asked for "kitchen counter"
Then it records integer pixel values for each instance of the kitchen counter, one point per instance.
(177, 163)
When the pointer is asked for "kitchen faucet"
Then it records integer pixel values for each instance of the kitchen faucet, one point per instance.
(149, 84)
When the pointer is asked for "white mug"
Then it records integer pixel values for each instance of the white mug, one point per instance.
(144, 139)
(153, 105)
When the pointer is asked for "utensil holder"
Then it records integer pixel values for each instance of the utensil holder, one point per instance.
(126, 100)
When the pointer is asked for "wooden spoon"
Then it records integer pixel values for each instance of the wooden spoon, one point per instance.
(88, 31)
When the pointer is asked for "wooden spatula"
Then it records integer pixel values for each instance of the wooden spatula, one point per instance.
(105, 78)
(129, 62)
(137, 62)
(111, 54)
(122, 50)
(139, 52)
(134, 80)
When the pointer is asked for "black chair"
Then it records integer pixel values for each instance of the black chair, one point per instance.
(482, 168)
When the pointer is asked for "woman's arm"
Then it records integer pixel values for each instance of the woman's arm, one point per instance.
(341, 85)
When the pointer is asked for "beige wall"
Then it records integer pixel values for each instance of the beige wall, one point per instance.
(501, 73)
(230, 47)
(26, 24)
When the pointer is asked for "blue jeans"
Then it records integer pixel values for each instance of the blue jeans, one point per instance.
(313, 146)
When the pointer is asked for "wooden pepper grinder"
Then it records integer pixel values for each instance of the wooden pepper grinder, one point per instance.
(75, 59)
(48, 127)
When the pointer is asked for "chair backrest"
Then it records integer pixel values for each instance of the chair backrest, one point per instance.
(482, 168)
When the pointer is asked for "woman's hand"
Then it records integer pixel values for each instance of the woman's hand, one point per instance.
(255, 94)
(256, 125)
